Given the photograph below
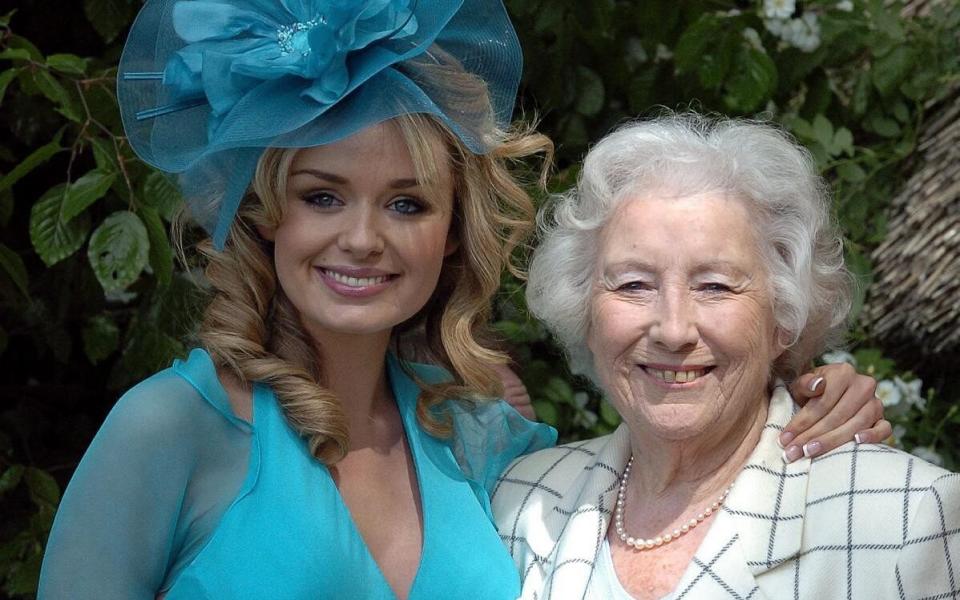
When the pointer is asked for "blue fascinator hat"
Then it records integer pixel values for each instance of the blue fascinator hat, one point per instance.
(204, 86)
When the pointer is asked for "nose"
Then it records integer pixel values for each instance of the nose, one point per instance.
(361, 232)
(674, 324)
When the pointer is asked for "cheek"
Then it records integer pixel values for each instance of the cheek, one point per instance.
(615, 326)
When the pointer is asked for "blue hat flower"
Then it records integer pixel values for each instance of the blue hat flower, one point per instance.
(206, 85)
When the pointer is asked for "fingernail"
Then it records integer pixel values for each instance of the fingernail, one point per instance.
(812, 449)
(785, 438)
(856, 438)
(815, 384)
(792, 453)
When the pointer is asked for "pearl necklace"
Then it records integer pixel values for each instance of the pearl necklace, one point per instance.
(660, 540)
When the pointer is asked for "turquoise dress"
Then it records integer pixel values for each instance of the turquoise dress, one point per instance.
(178, 496)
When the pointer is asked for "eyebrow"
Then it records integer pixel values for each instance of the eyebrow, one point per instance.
(397, 184)
(722, 266)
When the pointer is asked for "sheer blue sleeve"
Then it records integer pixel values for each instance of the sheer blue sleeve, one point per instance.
(149, 491)
(487, 437)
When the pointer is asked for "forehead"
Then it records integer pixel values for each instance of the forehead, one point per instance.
(663, 229)
(378, 149)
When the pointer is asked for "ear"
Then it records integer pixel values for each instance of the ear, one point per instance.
(781, 342)
(267, 233)
(452, 244)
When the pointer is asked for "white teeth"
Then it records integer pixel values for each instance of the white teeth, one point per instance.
(676, 376)
(354, 281)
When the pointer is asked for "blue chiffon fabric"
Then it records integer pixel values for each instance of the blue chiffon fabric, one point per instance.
(177, 496)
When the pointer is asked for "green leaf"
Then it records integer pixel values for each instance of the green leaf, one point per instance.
(11, 478)
(85, 191)
(101, 337)
(119, 250)
(23, 576)
(590, 92)
(546, 412)
(851, 171)
(14, 267)
(15, 54)
(752, 81)
(67, 63)
(861, 95)
(161, 255)
(108, 17)
(52, 238)
(50, 87)
(609, 414)
(5, 78)
(889, 70)
(104, 154)
(901, 112)
(695, 42)
(161, 193)
(715, 65)
(800, 128)
(823, 131)
(5, 19)
(43, 487)
(884, 126)
(842, 142)
(35, 159)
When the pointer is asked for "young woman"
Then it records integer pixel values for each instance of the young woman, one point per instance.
(296, 453)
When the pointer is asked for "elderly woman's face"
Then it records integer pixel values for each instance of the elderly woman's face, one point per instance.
(682, 330)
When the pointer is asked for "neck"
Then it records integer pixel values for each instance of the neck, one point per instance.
(683, 473)
(354, 369)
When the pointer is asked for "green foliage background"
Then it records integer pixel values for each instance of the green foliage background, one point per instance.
(92, 301)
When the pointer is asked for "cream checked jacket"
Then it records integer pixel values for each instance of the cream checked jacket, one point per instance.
(861, 522)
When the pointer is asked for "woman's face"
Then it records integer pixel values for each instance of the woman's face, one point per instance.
(362, 241)
(682, 330)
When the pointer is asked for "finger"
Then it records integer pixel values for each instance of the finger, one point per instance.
(838, 436)
(808, 385)
(825, 413)
(813, 411)
(878, 434)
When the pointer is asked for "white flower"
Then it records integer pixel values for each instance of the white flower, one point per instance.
(663, 53)
(636, 55)
(845, 6)
(898, 432)
(774, 26)
(753, 38)
(912, 392)
(928, 454)
(806, 32)
(891, 397)
(838, 356)
(778, 9)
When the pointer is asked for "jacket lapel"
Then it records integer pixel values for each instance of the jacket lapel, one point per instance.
(589, 515)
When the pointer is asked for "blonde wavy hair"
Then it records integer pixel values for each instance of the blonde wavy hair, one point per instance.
(252, 329)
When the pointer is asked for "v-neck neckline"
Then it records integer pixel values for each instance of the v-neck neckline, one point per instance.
(398, 379)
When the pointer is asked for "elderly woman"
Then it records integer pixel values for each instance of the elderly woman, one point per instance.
(693, 270)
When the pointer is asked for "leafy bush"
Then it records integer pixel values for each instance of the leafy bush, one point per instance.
(92, 301)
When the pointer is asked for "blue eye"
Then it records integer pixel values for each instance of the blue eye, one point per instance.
(321, 199)
(407, 206)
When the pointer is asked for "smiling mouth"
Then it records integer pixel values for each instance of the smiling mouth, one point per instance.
(676, 376)
(356, 282)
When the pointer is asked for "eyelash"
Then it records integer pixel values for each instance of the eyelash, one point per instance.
(715, 288)
(403, 205)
